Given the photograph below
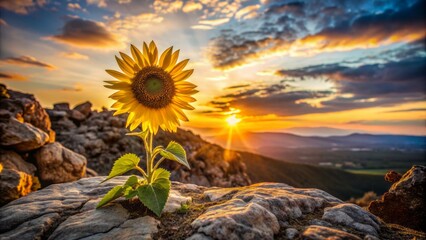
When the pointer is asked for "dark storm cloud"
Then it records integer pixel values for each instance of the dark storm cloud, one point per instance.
(86, 33)
(307, 27)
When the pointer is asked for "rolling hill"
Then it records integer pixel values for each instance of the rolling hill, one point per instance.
(339, 183)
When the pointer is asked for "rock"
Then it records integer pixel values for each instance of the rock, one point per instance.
(67, 211)
(353, 216)
(85, 108)
(77, 115)
(22, 137)
(12, 160)
(14, 184)
(61, 106)
(57, 164)
(90, 173)
(325, 233)
(392, 177)
(259, 211)
(27, 109)
(291, 233)
(404, 203)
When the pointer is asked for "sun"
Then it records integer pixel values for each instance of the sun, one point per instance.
(233, 120)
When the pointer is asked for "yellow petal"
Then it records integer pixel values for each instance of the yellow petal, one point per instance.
(186, 91)
(180, 114)
(147, 54)
(183, 75)
(111, 82)
(173, 61)
(153, 53)
(166, 57)
(137, 55)
(118, 75)
(124, 67)
(127, 59)
(182, 104)
(185, 85)
(181, 65)
(186, 98)
(119, 86)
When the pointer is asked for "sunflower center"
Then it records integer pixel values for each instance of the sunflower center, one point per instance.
(153, 87)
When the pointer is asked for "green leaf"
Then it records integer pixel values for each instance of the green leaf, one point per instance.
(154, 196)
(130, 193)
(139, 134)
(131, 181)
(122, 165)
(174, 151)
(114, 193)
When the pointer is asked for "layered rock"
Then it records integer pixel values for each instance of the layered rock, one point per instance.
(101, 138)
(25, 139)
(260, 211)
(404, 203)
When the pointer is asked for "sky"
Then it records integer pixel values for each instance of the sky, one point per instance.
(357, 66)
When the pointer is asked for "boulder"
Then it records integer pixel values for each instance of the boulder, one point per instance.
(12, 160)
(26, 108)
(84, 108)
(20, 136)
(259, 211)
(57, 164)
(404, 203)
(326, 233)
(16, 177)
(14, 184)
(64, 106)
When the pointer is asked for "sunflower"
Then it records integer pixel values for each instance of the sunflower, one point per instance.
(152, 89)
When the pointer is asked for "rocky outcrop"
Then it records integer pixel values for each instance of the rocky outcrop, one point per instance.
(404, 203)
(26, 152)
(101, 138)
(260, 211)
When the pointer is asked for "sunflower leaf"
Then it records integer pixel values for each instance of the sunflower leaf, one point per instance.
(142, 134)
(175, 152)
(154, 195)
(124, 164)
(113, 194)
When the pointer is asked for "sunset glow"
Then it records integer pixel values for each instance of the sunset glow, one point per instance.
(349, 65)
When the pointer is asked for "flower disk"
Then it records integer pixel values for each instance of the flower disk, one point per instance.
(152, 90)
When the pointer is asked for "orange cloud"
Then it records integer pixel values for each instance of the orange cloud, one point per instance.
(74, 55)
(12, 77)
(27, 61)
(87, 34)
(21, 6)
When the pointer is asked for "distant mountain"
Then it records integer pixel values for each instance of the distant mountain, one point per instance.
(320, 131)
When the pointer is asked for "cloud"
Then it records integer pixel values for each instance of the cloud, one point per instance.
(417, 122)
(355, 86)
(87, 34)
(192, 6)
(12, 76)
(140, 21)
(74, 55)
(27, 61)
(21, 6)
(202, 27)
(167, 6)
(408, 110)
(307, 28)
(247, 12)
(3, 22)
(214, 22)
(75, 6)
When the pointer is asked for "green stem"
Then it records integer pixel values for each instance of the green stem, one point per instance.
(141, 171)
(158, 163)
(148, 149)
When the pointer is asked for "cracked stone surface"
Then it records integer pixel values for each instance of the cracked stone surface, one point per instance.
(67, 211)
(259, 211)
